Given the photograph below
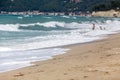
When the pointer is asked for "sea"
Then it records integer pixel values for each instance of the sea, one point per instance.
(29, 38)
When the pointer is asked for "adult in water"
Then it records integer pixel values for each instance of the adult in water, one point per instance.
(93, 28)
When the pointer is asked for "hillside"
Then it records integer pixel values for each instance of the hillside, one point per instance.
(57, 5)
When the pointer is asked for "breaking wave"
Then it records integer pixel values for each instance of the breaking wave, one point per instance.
(55, 25)
(52, 25)
(32, 26)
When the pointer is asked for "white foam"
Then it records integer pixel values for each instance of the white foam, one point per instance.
(74, 17)
(48, 17)
(83, 33)
(53, 41)
(20, 17)
(65, 16)
(9, 27)
(98, 33)
(27, 15)
(17, 59)
(109, 25)
(15, 27)
(51, 24)
(3, 49)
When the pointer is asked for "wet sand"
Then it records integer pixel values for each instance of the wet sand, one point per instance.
(99, 60)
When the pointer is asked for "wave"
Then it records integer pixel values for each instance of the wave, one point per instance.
(33, 26)
(77, 33)
(52, 25)
(9, 27)
(42, 28)
(53, 41)
(56, 25)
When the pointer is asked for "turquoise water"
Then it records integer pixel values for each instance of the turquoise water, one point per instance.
(28, 38)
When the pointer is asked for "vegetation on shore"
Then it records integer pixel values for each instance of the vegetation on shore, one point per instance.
(112, 4)
(58, 5)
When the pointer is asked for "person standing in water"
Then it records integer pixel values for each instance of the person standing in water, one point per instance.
(101, 28)
(93, 28)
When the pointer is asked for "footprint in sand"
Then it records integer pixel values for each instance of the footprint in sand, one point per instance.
(18, 74)
(65, 73)
(85, 76)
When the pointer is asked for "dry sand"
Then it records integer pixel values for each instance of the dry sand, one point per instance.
(98, 60)
(110, 13)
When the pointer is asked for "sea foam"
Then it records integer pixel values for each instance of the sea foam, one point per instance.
(109, 25)
(2, 49)
(17, 59)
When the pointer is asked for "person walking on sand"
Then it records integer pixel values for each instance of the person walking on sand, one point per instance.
(93, 28)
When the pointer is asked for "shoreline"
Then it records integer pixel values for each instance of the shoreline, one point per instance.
(48, 13)
(83, 61)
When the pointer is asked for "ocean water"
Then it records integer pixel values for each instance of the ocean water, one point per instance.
(29, 38)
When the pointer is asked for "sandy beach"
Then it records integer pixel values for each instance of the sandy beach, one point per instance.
(99, 60)
(110, 13)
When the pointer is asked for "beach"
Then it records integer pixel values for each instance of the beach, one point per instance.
(98, 60)
(109, 13)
